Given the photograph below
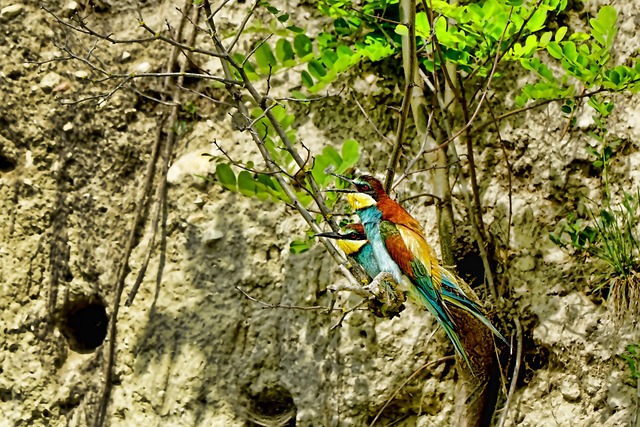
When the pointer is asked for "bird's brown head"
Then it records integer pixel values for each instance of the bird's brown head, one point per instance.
(368, 191)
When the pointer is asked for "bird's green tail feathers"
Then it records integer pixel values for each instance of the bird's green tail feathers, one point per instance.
(453, 295)
(444, 320)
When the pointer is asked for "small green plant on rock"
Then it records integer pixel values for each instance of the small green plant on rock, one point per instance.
(607, 230)
(632, 357)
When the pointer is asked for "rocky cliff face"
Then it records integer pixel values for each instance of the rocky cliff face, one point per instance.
(229, 328)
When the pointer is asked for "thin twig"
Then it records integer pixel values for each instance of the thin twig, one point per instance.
(373, 125)
(156, 36)
(503, 116)
(240, 165)
(412, 376)
(494, 67)
(207, 97)
(123, 269)
(418, 196)
(346, 313)
(292, 307)
(253, 51)
(242, 26)
(227, 63)
(514, 378)
(409, 62)
(477, 204)
(505, 153)
(414, 160)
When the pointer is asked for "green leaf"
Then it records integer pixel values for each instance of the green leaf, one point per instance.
(299, 246)
(545, 38)
(579, 37)
(307, 80)
(302, 44)
(562, 31)
(284, 51)
(295, 29)
(402, 30)
(246, 184)
(350, 153)
(604, 26)
(423, 29)
(316, 69)
(329, 58)
(569, 50)
(299, 95)
(270, 8)
(284, 17)
(264, 57)
(225, 176)
(342, 27)
(536, 23)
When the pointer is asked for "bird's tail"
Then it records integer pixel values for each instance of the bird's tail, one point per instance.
(442, 315)
(455, 296)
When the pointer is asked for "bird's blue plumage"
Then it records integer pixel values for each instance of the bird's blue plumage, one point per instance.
(367, 260)
(371, 218)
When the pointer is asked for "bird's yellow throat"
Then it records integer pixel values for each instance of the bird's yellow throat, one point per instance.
(351, 246)
(360, 201)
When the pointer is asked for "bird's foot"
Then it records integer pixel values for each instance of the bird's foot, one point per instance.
(387, 300)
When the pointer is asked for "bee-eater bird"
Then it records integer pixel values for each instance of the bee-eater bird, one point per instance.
(400, 248)
(353, 242)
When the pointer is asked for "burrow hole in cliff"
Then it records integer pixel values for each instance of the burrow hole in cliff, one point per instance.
(470, 266)
(83, 322)
(272, 406)
(7, 164)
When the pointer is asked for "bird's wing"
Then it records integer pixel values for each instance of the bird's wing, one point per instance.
(407, 255)
(420, 249)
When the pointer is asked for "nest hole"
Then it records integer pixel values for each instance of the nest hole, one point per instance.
(7, 164)
(83, 322)
(273, 406)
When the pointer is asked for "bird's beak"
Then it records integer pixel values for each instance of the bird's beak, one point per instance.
(340, 190)
(330, 235)
(344, 178)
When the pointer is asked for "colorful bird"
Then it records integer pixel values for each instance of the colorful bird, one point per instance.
(400, 248)
(353, 242)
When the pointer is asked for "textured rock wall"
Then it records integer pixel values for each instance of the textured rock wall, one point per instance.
(192, 349)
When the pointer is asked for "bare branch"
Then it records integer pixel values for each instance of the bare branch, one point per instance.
(514, 377)
(227, 63)
(505, 153)
(421, 151)
(84, 29)
(373, 125)
(110, 358)
(240, 165)
(292, 307)
(345, 313)
(412, 376)
(410, 66)
(207, 97)
(242, 26)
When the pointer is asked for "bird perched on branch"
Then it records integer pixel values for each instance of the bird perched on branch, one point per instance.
(354, 243)
(400, 248)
